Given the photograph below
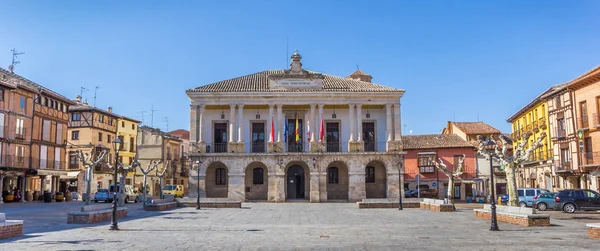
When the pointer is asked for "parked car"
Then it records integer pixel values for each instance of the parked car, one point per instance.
(544, 201)
(176, 190)
(571, 200)
(526, 196)
(130, 194)
(102, 195)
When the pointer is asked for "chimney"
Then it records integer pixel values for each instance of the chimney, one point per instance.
(110, 109)
(78, 98)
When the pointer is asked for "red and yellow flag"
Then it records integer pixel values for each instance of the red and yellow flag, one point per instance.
(297, 131)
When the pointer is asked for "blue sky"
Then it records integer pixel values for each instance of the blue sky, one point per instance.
(459, 60)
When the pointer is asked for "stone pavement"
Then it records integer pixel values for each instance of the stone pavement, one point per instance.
(300, 226)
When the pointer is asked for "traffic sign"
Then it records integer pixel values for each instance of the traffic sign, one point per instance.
(433, 183)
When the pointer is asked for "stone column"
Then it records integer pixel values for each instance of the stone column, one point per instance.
(236, 187)
(359, 122)
(319, 121)
(194, 122)
(397, 123)
(279, 122)
(240, 123)
(42, 184)
(231, 123)
(357, 189)
(1, 188)
(393, 184)
(352, 121)
(276, 192)
(388, 127)
(314, 187)
(323, 186)
(270, 122)
(313, 122)
(23, 186)
(200, 124)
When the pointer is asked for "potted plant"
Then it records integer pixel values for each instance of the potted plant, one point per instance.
(8, 195)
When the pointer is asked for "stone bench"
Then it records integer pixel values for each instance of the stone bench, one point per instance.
(160, 204)
(10, 228)
(436, 205)
(386, 203)
(94, 213)
(523, 216)
(208, 203)
(593, 230)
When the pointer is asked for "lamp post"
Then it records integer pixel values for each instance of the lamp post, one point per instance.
(401, 173)
(197, 166)
(314, 161)
(491, 146)
(117, 145)
(281, 163)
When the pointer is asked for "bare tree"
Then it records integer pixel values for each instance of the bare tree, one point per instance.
(89, 172)
(123, 170)
(458, 171)
(151, 166)
(511, 161)
(160, 178)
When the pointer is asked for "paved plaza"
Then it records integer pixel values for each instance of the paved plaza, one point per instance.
(288, 226)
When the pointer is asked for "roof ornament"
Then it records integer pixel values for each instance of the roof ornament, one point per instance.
(296, 66)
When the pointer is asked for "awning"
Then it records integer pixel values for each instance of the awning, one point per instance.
(70, 175)
(51, 172)
(426, 153)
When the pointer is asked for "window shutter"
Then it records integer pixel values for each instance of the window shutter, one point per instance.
(59, 134)
(43, 156)
(1, 125)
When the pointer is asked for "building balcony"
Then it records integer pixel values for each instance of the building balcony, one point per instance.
(529, 128)
(542, 123)
(596, 120)
(583, 123)
(559, 133)
(536, 127)
(426, 169)
(14, 161)
(540, 156)
(591, 158)
(516, 135)
(294, 147)
(22, 135)
(563, 166)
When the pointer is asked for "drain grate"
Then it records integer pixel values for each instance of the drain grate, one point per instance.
(253, 230)
(324, 236)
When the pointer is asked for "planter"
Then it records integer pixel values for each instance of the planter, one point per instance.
(36, 195)
(60, 197)
(69, 196)
(29, 196)
(9, 198)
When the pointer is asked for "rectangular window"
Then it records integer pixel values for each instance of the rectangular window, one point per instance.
(258, 176)
(123, 124)
(332, 175)
(101, 118)
(75, 135)
(370, 174)
(583, 114)
(99, 136)
(221, 176)
(425, 163)
(73, 161)
(109, 137)
(43, 157)
(122, 144)
(20, 154)
(1, 94)
(76, 116)
(258, 138)
(131, 144)
(132, 126)
(220, 138)
(456, 161)
(59, 134)
(22, 103)
(292, 144)
(46, 130)
(369, 136)
(1, 125)
(20, 133)
(333, 136)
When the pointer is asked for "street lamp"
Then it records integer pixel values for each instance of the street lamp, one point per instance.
(400, 193)
(281, 163)
(314, 161)
(117, 146)
(197, 166)
(490, 146)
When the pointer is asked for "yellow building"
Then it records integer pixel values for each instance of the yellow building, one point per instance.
(537, 172)
(127, 132)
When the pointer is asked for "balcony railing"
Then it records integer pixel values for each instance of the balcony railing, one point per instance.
(169, 156)
(258, 147)
(596, 120)
(295, 147)
(591, 158)
(14, 161)
(529, 128)
(542, 123)
(563, 166)
(333, 147)
(516, 135)
(536, 126)
(538, 156)
(216, 148)
(559, 133)
(583, 123)
(21, 135)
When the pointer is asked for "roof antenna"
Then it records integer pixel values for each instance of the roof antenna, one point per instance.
(357, 67)
(83, 89)
(142, 112)
(95, 91)
(15, 55)
(167, 122)
(152, 116)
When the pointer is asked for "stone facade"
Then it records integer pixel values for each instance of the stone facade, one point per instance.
(94, 216)
(11, 230)
(351, 186)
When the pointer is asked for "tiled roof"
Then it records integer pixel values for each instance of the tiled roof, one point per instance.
(359, 72)
(158, 131)
(259, 82)
(80, 106)
(531, 104)
(28, 84)
(182, 133)
(586, 78)
(476, 128)
(430, 141)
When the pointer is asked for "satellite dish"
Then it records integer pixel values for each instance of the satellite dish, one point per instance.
(11, 68)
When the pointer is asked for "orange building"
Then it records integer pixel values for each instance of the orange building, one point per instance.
(449, 147)
(586, 89)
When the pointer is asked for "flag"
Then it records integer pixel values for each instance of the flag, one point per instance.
(285, 129)
(321, 130)
(308, 127)
(272, 130)
(297, 134)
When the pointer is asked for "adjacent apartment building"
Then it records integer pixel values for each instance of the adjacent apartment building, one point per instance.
(33, 127)
(184, 169)
(154, 145)
(421, 149)
(294, 134)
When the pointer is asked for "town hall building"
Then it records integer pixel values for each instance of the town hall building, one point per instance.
(294, 134)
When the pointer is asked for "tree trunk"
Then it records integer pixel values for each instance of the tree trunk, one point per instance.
(511, 185)
(451, 189)
(88, 189)
(145, 190)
